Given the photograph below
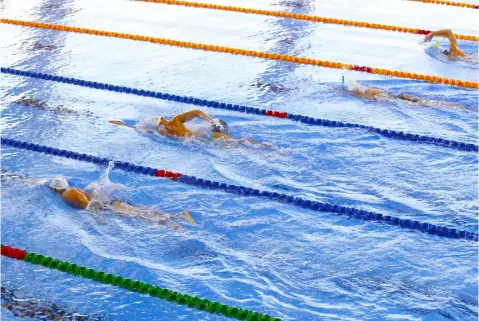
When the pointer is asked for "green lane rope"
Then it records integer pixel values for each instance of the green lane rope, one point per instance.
(135, 286)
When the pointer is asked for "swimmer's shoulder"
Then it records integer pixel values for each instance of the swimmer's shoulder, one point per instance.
(76, 197)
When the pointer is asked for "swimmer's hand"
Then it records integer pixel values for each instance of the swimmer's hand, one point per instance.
(218, 124)
(120, 123)
(117, 122)
(188, 217)
(428, 37)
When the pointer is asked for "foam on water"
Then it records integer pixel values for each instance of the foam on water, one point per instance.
(266, 256)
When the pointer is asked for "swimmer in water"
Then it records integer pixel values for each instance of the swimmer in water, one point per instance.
(39, 309)
(81, 199)
(375, 93)
(41, 104)
(454, 51)
(276, 88)
(176, 127)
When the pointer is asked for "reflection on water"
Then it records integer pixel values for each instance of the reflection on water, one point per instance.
(284, 35)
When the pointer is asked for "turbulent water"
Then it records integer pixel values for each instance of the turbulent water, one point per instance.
(270, 257)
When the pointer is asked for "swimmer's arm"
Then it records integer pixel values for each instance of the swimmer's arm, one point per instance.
(120, 123)
(192, 115)
(447, 33)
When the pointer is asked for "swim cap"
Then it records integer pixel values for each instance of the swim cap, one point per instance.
(220, 126)
(153, 121)
(58, 183)
(355, 86)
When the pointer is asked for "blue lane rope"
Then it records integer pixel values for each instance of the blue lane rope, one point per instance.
(249, 110)
(246, 191)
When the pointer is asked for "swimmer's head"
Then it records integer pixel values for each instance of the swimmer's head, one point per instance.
(446, 52)
(355, 86)
(217, 129)
(153, 121)
(58, 184)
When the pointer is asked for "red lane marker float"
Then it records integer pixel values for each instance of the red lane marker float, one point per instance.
(167, 174)
(13, 252)
(278, 114)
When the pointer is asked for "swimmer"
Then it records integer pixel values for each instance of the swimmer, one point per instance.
(375, 93)
(81, 199)
(39, 46)
(38, 309)
(176, 127)
(276, 88)
(41, 104)
(454, 51)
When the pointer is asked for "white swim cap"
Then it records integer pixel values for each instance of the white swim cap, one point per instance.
(153, 121)
(355, 86)
(58, 183)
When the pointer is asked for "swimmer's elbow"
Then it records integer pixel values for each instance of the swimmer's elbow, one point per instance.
(448, 32)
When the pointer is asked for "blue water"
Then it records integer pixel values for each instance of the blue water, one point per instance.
(261, 255)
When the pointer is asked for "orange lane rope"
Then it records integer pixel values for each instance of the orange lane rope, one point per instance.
(450, 3)
(304, 17)
(251, 53)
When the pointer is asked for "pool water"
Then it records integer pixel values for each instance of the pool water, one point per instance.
(260, 255)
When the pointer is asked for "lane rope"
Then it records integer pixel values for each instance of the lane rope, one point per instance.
(249, 53)
(393, 134)
(450, 3)
(251, 192)
(134, 286)
(298, 16)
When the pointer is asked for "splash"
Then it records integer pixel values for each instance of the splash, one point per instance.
(104, 190)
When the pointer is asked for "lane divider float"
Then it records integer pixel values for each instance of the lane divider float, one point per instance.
(450, 3)
(134, 286)
(393, 134)
(250, 53)
(251, 192)
(298, 16)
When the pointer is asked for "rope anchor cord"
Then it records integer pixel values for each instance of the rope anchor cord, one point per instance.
(135, 286)
(298, 16)
(450, 3)
(250, 53)
(246, 191)
(249, 110)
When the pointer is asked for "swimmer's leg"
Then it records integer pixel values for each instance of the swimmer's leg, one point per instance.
(124, 209)
(217, 135)
(185, 214)
(161, 217)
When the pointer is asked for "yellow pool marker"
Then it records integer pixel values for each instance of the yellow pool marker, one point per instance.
(251, 53)
(303, 17)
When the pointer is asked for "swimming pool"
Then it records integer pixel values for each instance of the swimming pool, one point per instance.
(270, 257)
